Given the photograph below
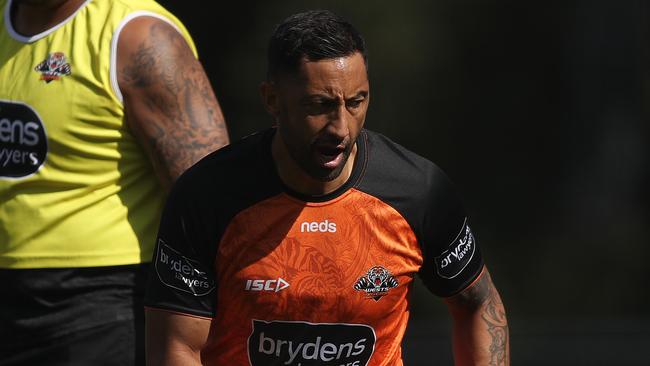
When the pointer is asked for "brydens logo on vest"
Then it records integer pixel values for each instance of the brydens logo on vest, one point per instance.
(452, 261)
(305, 344)
(23, 143)
(181, 273)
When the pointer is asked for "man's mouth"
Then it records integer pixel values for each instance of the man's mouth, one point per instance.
(330, 157)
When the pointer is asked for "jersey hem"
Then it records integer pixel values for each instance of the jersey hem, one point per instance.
(470, 283)
(70, 262)
(178, 312)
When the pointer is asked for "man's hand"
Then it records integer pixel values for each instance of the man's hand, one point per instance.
(169, 103)
(480, 326)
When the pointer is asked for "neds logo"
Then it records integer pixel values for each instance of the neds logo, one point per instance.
(322, 226)
(23, 144)
(302, 344)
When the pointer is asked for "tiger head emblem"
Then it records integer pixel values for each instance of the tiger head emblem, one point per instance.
(376, 282)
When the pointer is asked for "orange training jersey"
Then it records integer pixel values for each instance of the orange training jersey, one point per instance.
(289, 279)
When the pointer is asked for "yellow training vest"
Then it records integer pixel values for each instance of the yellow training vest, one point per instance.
(76, 190)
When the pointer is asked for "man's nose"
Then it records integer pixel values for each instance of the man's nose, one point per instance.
(339, 123)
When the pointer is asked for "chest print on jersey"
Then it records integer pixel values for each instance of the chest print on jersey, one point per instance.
(376, 283)
(53, 67)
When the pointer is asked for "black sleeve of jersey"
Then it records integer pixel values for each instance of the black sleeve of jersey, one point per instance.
(197, 213)
(452, 259)
(181, 276)
(423, 194)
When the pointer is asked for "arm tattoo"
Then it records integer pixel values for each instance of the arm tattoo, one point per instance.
(184, 121)
(484, 296)
(143, 60)
(494, 317)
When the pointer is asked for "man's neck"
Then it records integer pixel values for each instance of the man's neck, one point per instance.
(294, 177)
(31, 17)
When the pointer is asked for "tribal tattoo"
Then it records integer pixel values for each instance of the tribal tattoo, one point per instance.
(176, 113)
(483, 297)
(494, 316)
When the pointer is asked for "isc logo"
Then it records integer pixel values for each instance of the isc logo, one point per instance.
(267, 285)
(323, 227)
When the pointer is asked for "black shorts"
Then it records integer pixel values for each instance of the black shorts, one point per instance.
(80, 316)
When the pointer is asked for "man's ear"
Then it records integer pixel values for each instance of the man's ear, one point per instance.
(270, 98)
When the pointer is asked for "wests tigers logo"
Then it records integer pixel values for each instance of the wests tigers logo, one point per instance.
(376, 283)
(53, 67)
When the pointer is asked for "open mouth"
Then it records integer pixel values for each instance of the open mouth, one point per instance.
(330, 156)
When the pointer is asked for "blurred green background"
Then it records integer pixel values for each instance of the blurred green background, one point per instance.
(538, 111)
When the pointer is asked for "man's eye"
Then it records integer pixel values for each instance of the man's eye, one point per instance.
(354, 103)
(320, 107)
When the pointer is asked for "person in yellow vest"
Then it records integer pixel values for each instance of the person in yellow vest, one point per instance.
(103, 103)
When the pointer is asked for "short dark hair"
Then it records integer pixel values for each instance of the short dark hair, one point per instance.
(314, 34)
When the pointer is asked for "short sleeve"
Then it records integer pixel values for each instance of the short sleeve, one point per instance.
(451, 256)
(181, 275)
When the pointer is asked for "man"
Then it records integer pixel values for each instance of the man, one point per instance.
(102, 105)
(306, 254)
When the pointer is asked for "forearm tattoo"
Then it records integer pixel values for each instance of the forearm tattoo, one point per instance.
(484, 296)
(184, 122)
(494, 316)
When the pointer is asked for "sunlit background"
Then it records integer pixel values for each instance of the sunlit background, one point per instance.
(538, 111)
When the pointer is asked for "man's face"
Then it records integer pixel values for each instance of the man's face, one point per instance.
(320, 112)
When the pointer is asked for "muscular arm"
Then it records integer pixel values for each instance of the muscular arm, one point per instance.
(480, 327)
(169, 103)
(174, 339)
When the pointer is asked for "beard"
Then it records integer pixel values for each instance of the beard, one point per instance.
(306, 155)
